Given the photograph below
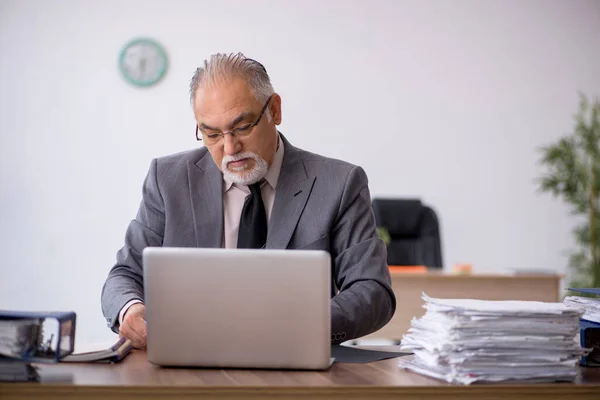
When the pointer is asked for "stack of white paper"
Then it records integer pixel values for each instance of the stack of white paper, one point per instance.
(466, 341)
(589, 306)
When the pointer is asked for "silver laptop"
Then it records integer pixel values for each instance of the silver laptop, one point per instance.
(233, 308)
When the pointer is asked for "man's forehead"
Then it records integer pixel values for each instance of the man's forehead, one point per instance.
(223, 98)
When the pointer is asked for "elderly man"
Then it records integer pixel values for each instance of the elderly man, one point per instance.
(248, 187)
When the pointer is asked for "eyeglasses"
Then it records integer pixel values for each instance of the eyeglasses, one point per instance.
(241, 131)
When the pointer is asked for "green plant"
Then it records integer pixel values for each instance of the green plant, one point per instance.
(573, 175)
(384, 235)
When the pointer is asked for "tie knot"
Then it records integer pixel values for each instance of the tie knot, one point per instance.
(255, 188)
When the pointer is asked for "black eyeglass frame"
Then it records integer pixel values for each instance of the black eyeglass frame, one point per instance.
(247, 130)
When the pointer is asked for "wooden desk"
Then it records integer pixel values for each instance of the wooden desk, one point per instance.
(409, 286)
(136, 378)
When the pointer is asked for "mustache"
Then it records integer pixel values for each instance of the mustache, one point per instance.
(237, 157)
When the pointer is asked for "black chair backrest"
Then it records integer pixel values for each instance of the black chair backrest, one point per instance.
(414, 231)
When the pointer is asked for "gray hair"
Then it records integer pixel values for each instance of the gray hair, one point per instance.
(221, 68)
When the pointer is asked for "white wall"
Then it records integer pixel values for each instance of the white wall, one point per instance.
(443, 100)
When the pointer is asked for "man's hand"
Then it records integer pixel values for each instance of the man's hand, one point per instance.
(134, 325)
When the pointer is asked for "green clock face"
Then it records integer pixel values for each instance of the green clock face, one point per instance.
(143, 62)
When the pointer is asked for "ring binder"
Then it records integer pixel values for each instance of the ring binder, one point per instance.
(36, 336)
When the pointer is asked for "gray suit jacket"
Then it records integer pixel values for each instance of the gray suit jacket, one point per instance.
(320, 203)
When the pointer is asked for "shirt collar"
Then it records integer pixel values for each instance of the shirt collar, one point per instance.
(272, 175)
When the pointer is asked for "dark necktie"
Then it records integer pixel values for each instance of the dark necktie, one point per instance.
(253, 222)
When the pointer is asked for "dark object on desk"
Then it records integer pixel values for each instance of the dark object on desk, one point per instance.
(414, 232)
(590, 339)
(589, 329)
(17, 371)
(113, 354)
(33, 336)
(347, 354)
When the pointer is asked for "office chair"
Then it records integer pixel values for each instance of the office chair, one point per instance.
(414, 231)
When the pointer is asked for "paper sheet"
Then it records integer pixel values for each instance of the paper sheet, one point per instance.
(466, 341)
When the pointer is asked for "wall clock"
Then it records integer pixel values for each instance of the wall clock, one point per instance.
(143, 62)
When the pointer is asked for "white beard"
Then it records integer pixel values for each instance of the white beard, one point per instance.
(248, 177)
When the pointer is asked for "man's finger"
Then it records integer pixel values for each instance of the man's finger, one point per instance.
(137, 340)
(138, 325)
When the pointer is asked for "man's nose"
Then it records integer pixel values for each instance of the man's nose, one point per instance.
(231, 145)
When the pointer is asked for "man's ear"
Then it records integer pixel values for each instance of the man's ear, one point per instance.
(275, 109)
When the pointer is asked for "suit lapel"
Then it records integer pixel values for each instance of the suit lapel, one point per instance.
(293, 190)
(206, 193)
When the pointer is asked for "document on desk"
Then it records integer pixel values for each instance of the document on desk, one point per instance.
(113, 351)
(466, 341)
(589, 305)
(34, 336)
